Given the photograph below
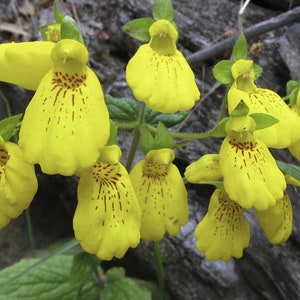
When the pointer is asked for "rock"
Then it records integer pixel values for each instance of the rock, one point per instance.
(290, 50)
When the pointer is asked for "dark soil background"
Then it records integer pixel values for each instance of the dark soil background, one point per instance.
(265, 271)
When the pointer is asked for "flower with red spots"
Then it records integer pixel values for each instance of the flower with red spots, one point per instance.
(259, 100)
(18, 183)
(159, 75)
(107, 218)
(66, 123)
(251, 176)
(161, 194)
(223, 232)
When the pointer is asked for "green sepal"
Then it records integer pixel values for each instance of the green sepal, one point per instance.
(83, 266)
(10, 126)
(58, 15)
(69, 30)
(290, 169)
(120, 287)
(122, 110)
(222, 71)
(240, 49)
(153, 117)
(163, 9)
(113, 133)
(219, 130)
(292, 89)
(139, 29)
(258, 70)
(240, 110)
(146, 139)
(163, 137)
(263, 120)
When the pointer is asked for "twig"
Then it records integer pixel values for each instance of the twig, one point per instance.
(287, 18)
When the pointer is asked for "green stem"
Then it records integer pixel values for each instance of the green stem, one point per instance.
(30, 232)
(180, 135)
(135, 140)
(159, 265)
(223, 108)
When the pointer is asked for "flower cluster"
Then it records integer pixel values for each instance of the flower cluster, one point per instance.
(65, 130)
(249, 173)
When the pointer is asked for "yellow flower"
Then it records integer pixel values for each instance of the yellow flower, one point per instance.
(18, 183)
(159, 75)
(206, 168)
(25, 64)
(224, 232)
(251, 176)
(161, 194)
(277, 221)
(259, 100)
(107, 218)
(66, 123)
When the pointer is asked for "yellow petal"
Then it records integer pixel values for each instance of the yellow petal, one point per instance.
(251, 176)
(279, 135)
(205, 168)
(224, 232)
(18, 183)
(159, 75)
(66, 123)
(161, 194)
(25, 64)
(107, 218)
(277, 221)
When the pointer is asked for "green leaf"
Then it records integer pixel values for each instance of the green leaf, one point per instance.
(157, 292)
(83, 266)
(291, 169)
(49, 281)
(258, 70)
(70, 30)
(153, 117)
(263, 120)
(58, 16)
(115, 274)
(222, 71)
(113, 134)
(146, 139)
(292, 90)
(121, 287)
(219, 130)
(163, 9)
(122, 110)
(240, 110)
(139, 29)
(9, 126)
(163, 137)
(240, 49)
